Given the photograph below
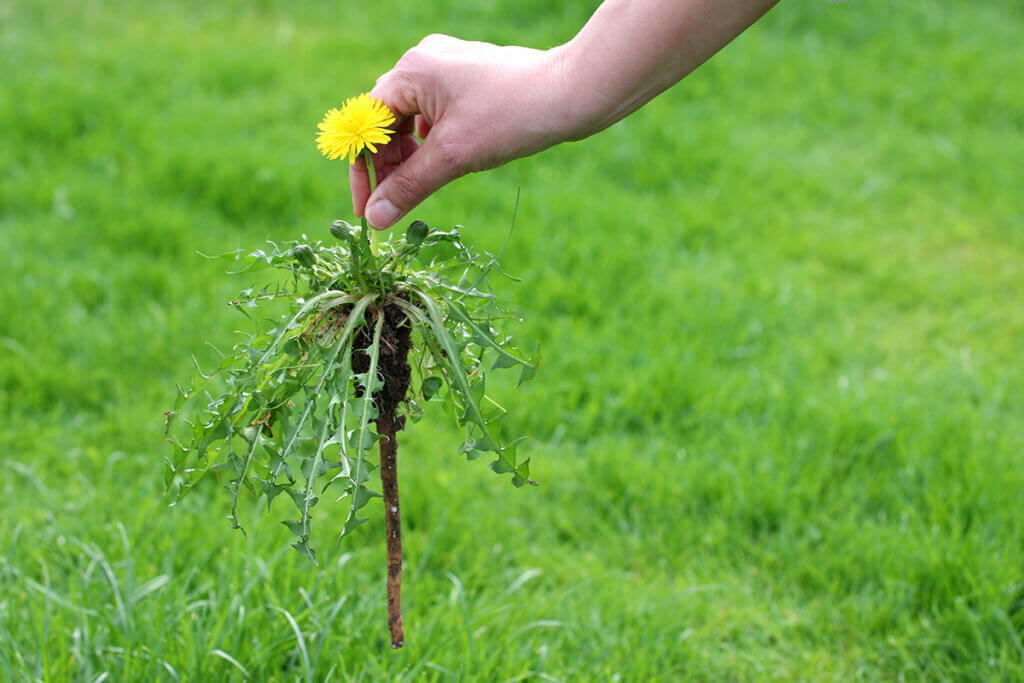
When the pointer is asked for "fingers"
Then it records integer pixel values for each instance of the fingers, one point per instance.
(440, 42)
(399, 89)
(402, 88)
(408, 171)
(385, 162)
(434, 164)
(409, 145)
(360, 185)
(406, 126)
(422, 126)
(388, 157)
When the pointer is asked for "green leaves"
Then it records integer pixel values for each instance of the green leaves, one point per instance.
(467, 385)
(486, 336)
(285, 409)
(430, 387)
(363, 439)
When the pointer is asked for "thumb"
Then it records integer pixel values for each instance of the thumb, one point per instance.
(434, 164)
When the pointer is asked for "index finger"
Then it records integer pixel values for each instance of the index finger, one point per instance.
(387, 158)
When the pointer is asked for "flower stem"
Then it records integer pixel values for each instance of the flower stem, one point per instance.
(371, 172)
(365, 233)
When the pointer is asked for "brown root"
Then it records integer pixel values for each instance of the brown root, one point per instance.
(396, 341)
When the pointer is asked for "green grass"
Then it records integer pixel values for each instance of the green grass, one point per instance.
(780, 418)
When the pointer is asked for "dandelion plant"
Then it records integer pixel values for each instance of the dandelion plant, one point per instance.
(370, 335)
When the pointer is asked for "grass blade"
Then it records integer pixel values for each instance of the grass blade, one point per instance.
(299, 641)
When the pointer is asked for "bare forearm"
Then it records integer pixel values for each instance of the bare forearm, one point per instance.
(632, 50)
(476, 105)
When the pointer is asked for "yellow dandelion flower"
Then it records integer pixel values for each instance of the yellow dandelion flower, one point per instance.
(360, 123)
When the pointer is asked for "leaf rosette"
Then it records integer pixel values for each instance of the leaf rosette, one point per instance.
(292, 409)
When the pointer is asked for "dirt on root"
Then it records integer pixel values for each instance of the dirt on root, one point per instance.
(392, 363)
(393, 366)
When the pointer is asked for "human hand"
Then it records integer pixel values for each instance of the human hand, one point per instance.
(475, 106)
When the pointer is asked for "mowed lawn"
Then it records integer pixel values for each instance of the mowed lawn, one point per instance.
(779, 423)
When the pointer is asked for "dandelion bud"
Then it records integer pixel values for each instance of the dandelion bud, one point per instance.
(304, 255)
(343, 231)
(416, 233)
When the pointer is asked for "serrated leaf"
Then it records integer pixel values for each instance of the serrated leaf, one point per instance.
(236, 464)
(277, 464)
(221, 430)
(430, 387)
(295, 356)
(355, 317)
(306, 551)
(522, 474)
(362, 496)
(377, 383)
(303, 500)
(483, 444)
(314, 468)
(351, 523)
(242, 472)
(297, 527)
(483, 338)
(364, 440)
(271, 491)
(450, 358)
(502, 466)
(367, 401)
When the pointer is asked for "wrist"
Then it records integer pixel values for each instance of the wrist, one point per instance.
(581, 105)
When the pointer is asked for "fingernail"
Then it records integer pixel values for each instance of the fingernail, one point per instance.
(382, 213)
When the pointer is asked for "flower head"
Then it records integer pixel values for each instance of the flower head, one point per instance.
(360, 123)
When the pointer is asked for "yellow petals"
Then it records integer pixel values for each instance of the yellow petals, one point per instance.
(361, 123)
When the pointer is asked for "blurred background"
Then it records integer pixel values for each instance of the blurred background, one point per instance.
(777, 428)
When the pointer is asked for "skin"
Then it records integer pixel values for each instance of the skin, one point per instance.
(476, 106)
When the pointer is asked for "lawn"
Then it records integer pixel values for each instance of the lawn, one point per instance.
(779, 422)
